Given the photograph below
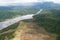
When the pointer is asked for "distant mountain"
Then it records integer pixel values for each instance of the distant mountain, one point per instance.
(43, 5)
(47, 5)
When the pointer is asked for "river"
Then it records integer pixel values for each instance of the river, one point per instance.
(9, 22)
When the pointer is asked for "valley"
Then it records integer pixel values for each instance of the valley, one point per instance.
(35, 21)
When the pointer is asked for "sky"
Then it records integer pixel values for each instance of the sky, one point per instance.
(9, 2)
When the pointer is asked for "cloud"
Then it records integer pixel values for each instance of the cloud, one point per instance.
(8, 2)
(55, 1)
(17, 1)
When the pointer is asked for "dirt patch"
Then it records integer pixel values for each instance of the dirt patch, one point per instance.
(27, 31)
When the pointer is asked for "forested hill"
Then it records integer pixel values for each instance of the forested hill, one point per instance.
(50, 20)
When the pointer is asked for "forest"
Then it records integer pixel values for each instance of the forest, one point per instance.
(50, 20)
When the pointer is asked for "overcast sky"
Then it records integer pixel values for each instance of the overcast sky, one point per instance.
(9, 2)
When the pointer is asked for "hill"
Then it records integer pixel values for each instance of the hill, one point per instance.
(50, 20)
(26, 30)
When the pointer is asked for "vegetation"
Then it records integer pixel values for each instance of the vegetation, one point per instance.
(50, 20)
(8, 14)
(7, 33)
